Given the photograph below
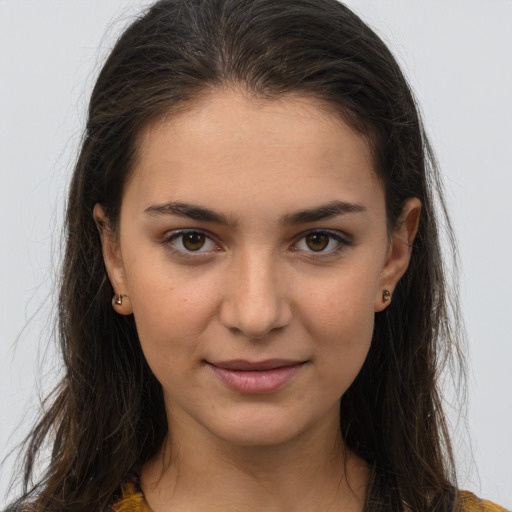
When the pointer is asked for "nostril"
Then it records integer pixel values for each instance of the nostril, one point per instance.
(255, 325)
(254, 303)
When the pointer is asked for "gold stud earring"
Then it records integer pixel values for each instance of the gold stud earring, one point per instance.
(386, 295)
(117, 300)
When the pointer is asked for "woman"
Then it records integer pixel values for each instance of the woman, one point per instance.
(253, 309)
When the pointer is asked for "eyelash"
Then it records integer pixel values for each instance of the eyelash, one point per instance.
(169, 245)
(341, 243)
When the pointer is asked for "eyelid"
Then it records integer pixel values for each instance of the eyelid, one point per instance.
(343, 240)
(169, 237)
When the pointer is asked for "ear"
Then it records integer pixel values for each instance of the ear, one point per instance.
(113, 262)
(399, 252)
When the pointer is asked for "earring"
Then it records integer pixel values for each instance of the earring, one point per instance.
(386, 295)
(117, 300)
(121, 306)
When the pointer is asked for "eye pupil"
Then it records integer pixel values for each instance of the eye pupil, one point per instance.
(317, 241)
(193, 241)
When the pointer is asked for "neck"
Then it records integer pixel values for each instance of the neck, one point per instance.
(199, 472)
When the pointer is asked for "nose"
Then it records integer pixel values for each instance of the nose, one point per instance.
(255, 302)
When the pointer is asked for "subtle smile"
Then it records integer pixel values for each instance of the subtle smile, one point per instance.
(256, 377)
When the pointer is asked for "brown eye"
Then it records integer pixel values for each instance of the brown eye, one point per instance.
(317, 241)
(188, 242)
(193, 241)
(322, 243)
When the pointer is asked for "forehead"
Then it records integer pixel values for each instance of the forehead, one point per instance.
(240, 151)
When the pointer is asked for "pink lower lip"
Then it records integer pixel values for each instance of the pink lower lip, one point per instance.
(257, 381)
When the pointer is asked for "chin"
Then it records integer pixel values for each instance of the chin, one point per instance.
(260, 429)
(258, 436)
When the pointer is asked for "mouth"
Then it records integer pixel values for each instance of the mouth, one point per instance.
(256, 377)
(257, 366)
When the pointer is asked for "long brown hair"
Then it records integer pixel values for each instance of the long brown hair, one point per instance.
(107, 416)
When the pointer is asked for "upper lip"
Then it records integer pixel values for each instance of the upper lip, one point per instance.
(267, 364)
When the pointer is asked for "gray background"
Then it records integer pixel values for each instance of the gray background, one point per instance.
(457, 55)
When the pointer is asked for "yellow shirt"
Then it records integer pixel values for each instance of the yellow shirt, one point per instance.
(132, 500)
(470, 503)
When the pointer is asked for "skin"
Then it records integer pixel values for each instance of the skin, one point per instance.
(258, 289)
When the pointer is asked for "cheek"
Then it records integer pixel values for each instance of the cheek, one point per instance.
(171, 311)
(340, 317)
(344, 300)
(343, 346)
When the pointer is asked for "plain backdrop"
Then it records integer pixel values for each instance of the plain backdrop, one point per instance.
(457, 56)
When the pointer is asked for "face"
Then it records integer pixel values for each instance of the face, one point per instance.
(253, 251)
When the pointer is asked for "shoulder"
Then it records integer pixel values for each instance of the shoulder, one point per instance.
(132, 499)
(470, 503)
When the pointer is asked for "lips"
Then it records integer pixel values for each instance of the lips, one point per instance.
(259, 377)
(242, 365)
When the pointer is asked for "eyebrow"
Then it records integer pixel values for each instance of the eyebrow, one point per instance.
(323, 212)
(189, 211)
